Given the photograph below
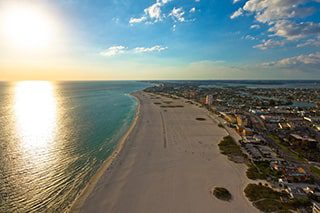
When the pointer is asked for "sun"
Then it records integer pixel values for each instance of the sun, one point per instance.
(27, 27)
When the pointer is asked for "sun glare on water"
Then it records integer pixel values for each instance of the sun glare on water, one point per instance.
(35, 111)
(27, 27)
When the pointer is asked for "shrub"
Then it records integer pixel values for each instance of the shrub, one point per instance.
(222, 194)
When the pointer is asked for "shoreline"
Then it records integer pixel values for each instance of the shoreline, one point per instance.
(78, 202)
(172, 159)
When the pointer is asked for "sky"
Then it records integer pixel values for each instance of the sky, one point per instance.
(159, 39)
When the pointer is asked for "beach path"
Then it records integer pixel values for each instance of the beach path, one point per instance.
(169, 163)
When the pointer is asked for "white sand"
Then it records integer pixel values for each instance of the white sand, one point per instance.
(169, 163)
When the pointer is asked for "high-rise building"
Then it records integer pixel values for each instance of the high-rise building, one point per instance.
(209, 100)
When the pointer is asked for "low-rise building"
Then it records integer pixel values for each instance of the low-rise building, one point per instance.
(229, 117)
(295, 174)
(285, 125)
(259, 152)
(303, 140)
(296, 192)
(241, 120)
(316, 207)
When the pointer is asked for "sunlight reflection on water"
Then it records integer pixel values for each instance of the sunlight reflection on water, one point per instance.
(36, 115)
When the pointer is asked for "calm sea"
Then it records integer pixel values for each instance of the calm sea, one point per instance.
(54, 137)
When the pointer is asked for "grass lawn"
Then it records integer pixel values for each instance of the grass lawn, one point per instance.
(285, 148)
(315, 170)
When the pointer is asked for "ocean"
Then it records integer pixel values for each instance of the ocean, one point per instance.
(54, 136)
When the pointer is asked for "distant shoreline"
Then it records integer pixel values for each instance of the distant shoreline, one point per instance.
(106, 165)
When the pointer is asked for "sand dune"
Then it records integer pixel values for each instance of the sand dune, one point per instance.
(169, 163)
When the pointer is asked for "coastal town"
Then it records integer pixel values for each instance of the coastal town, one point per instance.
(276, 128)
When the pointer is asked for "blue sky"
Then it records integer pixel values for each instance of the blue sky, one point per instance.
(190, 39)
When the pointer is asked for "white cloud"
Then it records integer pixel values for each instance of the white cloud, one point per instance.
(312, 60)
(177, 14)
(270, 10)
(294, 31)
(114, 50)
(249, 37)
(255, 26)
(192, 10)
(310, 43)
(174, 27)
(118, 50)
(156, 48)
(267, 44)
(165, 1)
(299, 66)
(157, 12)
(237, 13)
(152, 13)
(137, 20)
(281, 17)
(236, 1)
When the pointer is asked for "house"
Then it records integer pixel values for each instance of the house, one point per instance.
(254, 152)
(296, 192)
(266, 152)
(295, 174)
(312, 189)
(247, 131)
(229, 117)
(271, 119)
(316, 207)
(305, 140)
(285, 125)
(259, 152)
(252, 139)
(291, 173)
(278, 165)
(241, 120)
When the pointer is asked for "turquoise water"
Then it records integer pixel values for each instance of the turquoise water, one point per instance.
(54, 137)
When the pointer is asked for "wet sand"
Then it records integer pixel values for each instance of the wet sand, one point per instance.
(169, 163)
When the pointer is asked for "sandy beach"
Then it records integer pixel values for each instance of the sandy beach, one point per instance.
(169, 162)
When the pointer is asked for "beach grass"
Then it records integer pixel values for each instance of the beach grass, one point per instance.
(230, 148)
(220, 125)
(222, 193)
(266, 199)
